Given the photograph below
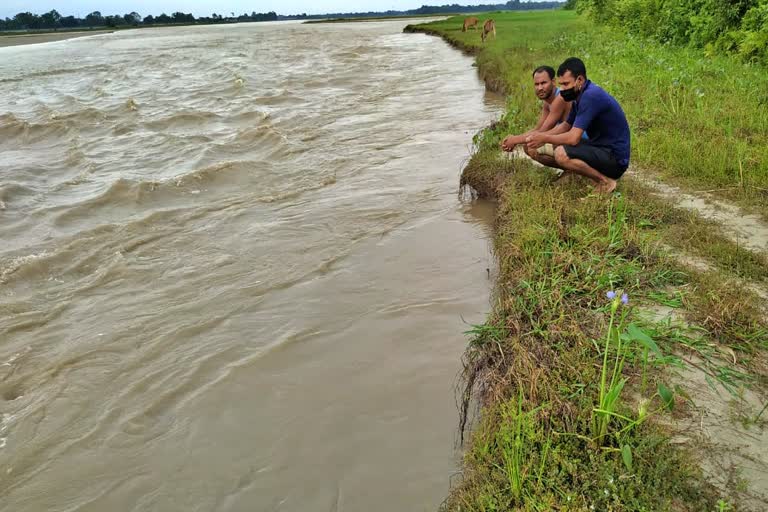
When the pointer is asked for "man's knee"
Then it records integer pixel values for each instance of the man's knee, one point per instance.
(561, 156)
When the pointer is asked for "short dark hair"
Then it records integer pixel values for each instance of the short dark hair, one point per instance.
(574, 65)
(549, 69)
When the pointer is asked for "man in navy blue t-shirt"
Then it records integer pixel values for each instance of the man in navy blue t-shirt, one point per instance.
(605, 156)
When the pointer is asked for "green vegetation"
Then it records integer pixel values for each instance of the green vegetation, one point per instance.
(576, 389)
(696, 121)
(737, 26)
(53, 21)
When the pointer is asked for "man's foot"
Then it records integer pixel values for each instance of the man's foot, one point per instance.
(606, 187)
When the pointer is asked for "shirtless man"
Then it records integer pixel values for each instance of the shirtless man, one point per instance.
(554, 109)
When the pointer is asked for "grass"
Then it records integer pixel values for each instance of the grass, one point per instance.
(591, 376)
(571, 385)
(697, 121)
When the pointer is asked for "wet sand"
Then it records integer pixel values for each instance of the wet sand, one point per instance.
(21, 39)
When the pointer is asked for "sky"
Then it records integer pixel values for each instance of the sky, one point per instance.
(8, 8)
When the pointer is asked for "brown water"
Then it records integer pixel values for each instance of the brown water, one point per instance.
(234, 271)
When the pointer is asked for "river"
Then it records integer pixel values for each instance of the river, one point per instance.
(234, 269)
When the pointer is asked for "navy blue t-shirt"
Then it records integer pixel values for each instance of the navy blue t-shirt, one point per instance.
(600, 115)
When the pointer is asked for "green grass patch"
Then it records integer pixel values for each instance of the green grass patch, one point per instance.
(571, 382)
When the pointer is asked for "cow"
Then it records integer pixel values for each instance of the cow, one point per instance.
(470, 22)
(488, 27)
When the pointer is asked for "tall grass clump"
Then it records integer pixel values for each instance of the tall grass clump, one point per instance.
(738, 27)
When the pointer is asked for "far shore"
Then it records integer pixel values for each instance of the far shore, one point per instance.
(377, 18)
(20, 39)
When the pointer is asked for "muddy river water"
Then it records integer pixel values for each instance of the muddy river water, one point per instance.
(234, 270)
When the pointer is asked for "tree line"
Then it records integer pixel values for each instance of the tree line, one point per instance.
(54, 21)
(737, 27)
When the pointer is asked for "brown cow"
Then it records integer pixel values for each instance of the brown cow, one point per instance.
(488, 27)
(470, 22)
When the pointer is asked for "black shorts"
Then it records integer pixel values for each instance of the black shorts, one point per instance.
(599, 158)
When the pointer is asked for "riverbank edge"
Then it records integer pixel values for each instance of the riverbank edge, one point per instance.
(377, 18)
(503, 392)
(493, 81)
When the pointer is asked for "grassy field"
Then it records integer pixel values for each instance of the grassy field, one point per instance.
(697, 121)
(575, 373)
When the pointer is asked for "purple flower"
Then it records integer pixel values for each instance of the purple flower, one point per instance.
(624, 299)
(611, 294)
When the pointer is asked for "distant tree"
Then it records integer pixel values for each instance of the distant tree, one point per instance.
(180, 17)
(94, 19)
(69, 22)
(133, 18)
(149, 20)
(50, 19)
(163, 18)
(27, 20)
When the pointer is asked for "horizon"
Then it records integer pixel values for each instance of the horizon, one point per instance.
(81, 8)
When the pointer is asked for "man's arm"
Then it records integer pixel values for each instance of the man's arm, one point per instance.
(509, 142)
(543, 116)
(562, 134)
(553, 114)
(558, 129)
(577, 122)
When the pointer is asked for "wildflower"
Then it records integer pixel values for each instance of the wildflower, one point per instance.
(611, 294)
(624, 299)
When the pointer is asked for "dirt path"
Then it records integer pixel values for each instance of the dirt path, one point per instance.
(747, 230)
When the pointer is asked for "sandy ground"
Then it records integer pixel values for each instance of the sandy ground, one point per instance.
(19, 39)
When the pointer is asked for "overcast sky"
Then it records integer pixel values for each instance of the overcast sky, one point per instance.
(8, 8)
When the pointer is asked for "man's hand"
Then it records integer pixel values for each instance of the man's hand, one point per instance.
(508, 144)
(535, 140)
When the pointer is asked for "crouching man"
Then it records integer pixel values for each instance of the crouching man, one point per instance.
(605, 156)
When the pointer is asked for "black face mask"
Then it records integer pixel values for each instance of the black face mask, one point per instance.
(569, 94)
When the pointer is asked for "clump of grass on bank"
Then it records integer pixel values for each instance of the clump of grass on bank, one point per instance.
(574, 387)
(698, 121)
